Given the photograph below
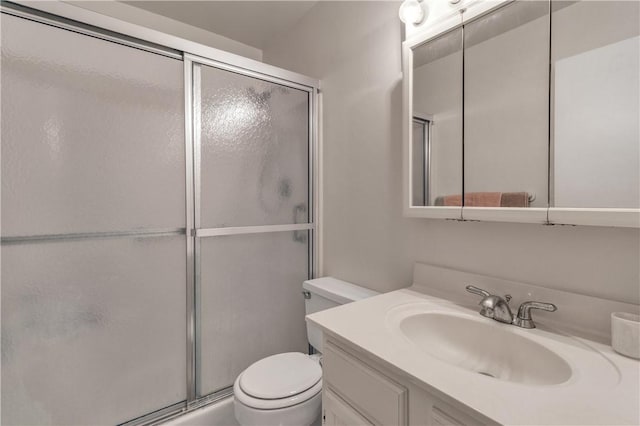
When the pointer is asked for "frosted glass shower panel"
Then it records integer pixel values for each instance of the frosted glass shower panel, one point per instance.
(92, 134)
(93, 331)
(255, 151)
(251, 303)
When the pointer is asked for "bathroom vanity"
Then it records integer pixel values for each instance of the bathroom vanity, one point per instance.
(412, 357)
(358, 390)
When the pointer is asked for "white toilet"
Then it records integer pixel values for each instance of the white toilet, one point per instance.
(285, 389)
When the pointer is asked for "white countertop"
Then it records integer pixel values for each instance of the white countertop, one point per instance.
(604, 387)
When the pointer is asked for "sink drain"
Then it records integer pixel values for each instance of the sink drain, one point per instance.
(484, 373)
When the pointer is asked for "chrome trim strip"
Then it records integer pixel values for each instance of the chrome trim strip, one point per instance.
(197, 315)
(463, 28)
(550, 120)
(239, 230)
(248, 72)
(318, 185)
(426, 161)
(189, 212)
(197, 191)
(141, 233)
(310, 181)
(197, 139)
(313, 181)
(41, 17)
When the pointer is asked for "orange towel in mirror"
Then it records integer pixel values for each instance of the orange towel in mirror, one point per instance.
(474, 199)
(486, 199)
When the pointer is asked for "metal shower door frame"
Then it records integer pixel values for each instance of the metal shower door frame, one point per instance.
(195, 232)
(69, 17)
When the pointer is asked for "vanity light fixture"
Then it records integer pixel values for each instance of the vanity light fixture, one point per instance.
(412, 12)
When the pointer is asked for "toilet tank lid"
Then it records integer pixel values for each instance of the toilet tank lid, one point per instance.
(337, 290)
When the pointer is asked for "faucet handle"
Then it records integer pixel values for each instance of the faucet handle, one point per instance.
(478, 291)
(524, 320)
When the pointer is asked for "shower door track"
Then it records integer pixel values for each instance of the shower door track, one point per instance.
(75, 19)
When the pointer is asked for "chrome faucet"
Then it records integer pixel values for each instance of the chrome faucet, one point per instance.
(494, 307)
(497, 308)
(524, 320)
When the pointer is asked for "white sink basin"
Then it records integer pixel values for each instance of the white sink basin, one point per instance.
(543, 376)
(484, 347)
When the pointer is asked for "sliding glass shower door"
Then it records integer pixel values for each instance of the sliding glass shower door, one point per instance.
(157, 224)
(252, 175)
(93, 218)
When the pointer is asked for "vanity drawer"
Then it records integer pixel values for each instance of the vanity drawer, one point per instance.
(380, 399)
(442, 418)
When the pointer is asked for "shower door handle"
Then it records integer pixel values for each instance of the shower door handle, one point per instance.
(299, 236)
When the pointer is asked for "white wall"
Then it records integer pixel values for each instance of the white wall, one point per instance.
(354, 47)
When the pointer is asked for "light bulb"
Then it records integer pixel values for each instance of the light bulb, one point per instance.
(411, 12)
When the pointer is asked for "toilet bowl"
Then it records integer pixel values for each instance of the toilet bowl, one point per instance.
(280, 390)
(286, 389)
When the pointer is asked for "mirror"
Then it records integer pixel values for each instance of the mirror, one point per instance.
(595, 110)
(526, 111)
(436, 151)
(506, 107)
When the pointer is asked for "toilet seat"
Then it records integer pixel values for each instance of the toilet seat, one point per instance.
(279, 381)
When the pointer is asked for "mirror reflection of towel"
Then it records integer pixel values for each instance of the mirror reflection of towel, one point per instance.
(474, 199)
(486, 199)
(514, 199)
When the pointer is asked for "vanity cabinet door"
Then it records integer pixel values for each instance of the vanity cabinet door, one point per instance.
(336, 412)
(357, 392)
(375, 395)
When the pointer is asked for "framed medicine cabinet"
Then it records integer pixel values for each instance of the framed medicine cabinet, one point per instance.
(525, 111)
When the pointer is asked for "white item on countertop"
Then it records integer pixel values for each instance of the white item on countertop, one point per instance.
(625, 334)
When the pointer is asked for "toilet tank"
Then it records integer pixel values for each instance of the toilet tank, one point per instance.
(325, 293)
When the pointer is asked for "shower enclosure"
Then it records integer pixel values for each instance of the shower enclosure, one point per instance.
(157, 222)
